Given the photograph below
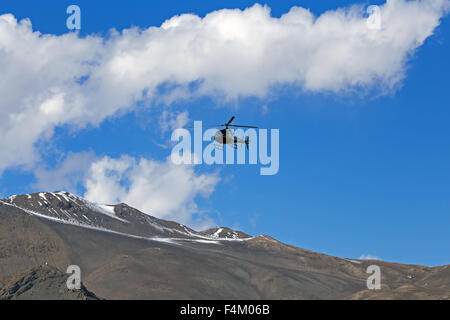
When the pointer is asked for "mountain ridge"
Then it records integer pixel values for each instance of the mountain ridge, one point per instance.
(65, 207)
(126, 254)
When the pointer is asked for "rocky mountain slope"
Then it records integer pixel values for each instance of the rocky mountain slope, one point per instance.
(126, 254)
(42, 282)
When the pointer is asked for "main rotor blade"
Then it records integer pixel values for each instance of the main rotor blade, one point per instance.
(235, 125)
(227, 124)
(209, 126)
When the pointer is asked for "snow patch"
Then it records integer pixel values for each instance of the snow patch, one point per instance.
(104, 209)
(352, 261)
(202, 241)
(62, 194)
(108, 208)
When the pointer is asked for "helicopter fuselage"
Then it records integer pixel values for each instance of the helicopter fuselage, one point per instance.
(226, 136)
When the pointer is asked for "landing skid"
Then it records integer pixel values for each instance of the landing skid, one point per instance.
(219, 146)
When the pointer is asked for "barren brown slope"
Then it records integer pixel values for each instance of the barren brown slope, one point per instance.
(192, 266)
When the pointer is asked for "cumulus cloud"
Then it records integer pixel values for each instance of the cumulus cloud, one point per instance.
(48, 80)
(68, 175)
(173, 120)
(158, 188)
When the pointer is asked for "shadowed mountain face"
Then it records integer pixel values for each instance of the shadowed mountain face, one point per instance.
(126, 254)
(43, 282)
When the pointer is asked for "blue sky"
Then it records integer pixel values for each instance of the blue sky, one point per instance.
(365, 171)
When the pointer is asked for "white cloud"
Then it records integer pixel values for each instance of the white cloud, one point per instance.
(161, 189)
(68, 174)
(173, 120)
(48, 81)
(369, 257)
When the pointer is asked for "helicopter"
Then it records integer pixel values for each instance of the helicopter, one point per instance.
(226, 135)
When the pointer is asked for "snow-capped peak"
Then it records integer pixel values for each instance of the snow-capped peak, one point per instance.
(68, 208)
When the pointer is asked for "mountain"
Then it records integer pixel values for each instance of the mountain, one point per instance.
(126, 254)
